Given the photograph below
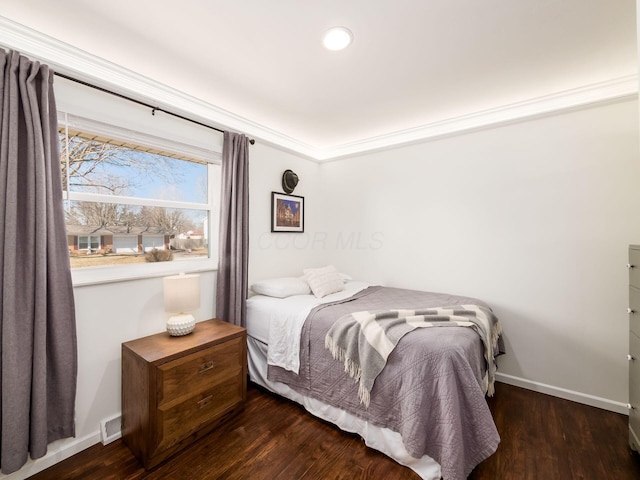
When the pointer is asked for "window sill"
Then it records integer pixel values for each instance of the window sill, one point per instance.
(82, 277)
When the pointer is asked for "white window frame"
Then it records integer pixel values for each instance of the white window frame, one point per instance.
(109, 274)
(89, 237)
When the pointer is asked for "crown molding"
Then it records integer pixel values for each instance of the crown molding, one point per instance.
(87, 67)
(605, 92)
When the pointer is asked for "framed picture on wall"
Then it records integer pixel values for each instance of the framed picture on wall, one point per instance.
(287, 213)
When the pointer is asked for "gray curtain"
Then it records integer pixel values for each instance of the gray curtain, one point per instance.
(233, 262)
(38, 363)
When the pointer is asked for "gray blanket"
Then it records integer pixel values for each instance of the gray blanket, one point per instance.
(363, 341)
(430, 391)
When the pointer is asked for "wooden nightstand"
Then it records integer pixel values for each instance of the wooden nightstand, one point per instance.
(177, 389)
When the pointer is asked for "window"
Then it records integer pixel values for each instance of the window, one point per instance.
(132, 198)
(88, 243)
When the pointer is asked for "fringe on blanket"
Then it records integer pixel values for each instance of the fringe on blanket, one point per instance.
(353, 369)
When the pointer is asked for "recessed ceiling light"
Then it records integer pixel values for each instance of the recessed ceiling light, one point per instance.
(337, 38)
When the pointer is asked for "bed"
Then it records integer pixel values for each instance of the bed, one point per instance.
(427, 408)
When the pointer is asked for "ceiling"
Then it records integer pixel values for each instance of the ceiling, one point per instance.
(413, 63)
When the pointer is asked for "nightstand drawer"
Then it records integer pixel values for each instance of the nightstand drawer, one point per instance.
(178, 421)
(193, 373)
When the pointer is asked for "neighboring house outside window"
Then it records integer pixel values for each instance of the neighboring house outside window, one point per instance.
(116, 240)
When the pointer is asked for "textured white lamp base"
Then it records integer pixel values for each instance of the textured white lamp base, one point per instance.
(182, 324)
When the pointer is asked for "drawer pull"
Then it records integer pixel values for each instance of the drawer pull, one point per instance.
(630, 266)
(206, 366)
(205, 401)
(630, 311)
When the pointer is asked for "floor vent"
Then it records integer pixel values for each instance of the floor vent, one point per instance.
(111, 429)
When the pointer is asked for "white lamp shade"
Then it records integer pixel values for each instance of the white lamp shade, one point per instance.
(182, 293)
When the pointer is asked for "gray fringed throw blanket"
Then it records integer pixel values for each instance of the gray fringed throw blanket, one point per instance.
(364, 340)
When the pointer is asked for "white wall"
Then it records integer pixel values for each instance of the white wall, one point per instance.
(283, 254)
(533, 217)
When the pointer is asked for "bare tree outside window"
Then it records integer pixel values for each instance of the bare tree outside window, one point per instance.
(116, 195)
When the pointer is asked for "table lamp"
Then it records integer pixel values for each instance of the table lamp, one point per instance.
(181, 295)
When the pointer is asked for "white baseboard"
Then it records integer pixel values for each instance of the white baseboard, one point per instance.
(578, 397)
(56, 452)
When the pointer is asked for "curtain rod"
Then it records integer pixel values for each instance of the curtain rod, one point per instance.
(153, 109)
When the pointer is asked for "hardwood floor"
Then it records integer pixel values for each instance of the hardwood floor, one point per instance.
(543, 437)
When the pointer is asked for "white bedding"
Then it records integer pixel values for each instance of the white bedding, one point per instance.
(278, 322)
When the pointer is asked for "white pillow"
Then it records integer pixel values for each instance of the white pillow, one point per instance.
(281, 287)
(324, 281)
